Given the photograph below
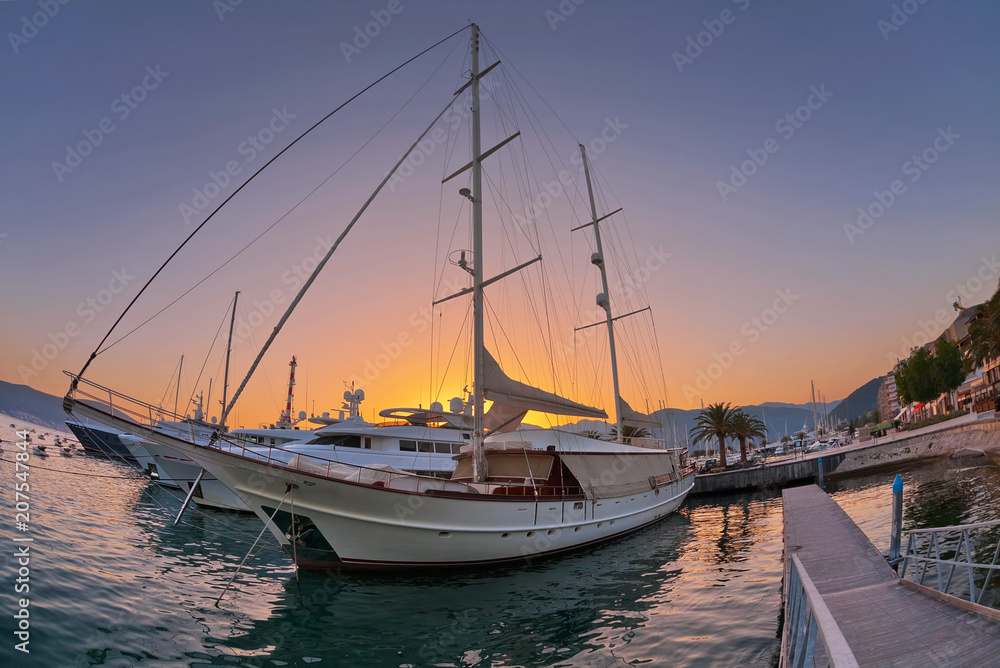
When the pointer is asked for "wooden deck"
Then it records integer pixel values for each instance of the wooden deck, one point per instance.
(884, 622)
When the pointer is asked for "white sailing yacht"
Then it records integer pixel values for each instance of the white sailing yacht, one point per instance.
(516, 494)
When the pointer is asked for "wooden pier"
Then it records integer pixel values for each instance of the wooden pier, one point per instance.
(884, 621)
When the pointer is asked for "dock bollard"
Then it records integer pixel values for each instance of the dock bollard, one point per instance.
(820, 460)
(897, 520)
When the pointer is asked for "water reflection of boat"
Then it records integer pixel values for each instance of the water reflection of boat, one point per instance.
(581, 610)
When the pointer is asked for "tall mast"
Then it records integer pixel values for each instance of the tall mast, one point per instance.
(177, 390)
(479, 361)
(229, 350)
(603, 299)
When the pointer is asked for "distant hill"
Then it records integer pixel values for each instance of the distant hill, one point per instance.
(860, 401)
(830, 405)
(25, 403)
(778, 417)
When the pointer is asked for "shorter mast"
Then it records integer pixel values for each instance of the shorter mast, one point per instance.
(177, 390)
(603, 299)
(229, 350)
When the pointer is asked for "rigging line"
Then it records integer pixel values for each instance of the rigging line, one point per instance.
(194, 388)
(167, 388)
(94, 354)
(147, 492)
(326, 258)
(242, 563)
(136, 477)
(454, 349)
(525, 79)
(286, 214)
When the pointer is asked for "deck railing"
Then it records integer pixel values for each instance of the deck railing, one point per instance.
(807, 619)
(936, 555)
(149, 417)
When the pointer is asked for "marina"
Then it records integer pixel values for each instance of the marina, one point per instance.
(579, 335)
(703, 588)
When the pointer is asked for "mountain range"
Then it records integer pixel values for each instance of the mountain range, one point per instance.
(26, 403)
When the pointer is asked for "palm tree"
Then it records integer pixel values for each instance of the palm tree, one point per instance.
(984, 333)
(716, 421)
(746, 426)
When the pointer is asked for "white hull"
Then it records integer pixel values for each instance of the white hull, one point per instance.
(374, 527)
(342, 524)
(148, 464)
(184, 471)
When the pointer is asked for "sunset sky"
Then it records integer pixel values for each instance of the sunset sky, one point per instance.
(809, 185)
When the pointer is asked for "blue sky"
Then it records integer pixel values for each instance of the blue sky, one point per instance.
(686, 117)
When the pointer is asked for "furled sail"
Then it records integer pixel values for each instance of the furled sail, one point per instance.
(498, 387)
(638, 420)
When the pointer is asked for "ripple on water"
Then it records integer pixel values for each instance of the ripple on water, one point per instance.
(114, 583)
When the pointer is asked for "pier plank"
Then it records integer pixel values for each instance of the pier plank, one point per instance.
(885, 623)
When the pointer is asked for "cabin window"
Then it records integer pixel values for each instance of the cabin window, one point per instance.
(442, 448)
(368, 442)
(456, 448)
(408, 446)
(424, 446)
(341, 440)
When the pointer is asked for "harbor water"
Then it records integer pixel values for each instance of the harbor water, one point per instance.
(114, 583)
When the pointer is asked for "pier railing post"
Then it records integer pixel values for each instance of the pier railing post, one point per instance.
(820, 464)
(897, 521)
